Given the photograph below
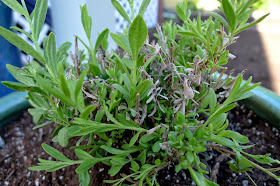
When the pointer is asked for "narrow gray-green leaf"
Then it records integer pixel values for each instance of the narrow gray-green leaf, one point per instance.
(144, 6)
(15, 6)
(15, 85)
(134, 139)
(63, 137)
(40, 12)
(20, 43)
(248, 25)
(86, 20)
(137, 35)
(81, 154)
(50, 53)
(20, 75)
(46, 86)
(84, 178)
(87, 111)
(122, 41)
(86, 164)
(230, 13)
(121, 10)
(63, 83)
(220, 18)
(103, 35)
(79, 85)
(54, 153)
(143, 86)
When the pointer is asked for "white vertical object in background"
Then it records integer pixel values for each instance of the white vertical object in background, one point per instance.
(150, 16)
(66, 20)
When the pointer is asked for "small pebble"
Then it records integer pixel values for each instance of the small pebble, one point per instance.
(233, 174)
(272, 146)
(6, 183)
(249, 121)
(258, 133)
(60, 177)
(37, 182)
(266, 124)
(245, 183)
(2, 143)
(168, 177)
(177, 181)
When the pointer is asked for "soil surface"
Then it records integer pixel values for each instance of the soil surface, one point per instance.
(23, 148)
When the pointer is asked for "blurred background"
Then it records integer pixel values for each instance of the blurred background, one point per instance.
(257, 49)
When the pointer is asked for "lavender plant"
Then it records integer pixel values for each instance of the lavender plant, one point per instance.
(146, 108)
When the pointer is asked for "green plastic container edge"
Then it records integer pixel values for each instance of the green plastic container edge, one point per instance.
(264, 103)
(12, 105)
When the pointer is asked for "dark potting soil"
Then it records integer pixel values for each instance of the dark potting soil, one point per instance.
(23, 148)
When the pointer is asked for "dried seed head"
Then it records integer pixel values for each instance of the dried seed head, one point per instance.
(188, 92)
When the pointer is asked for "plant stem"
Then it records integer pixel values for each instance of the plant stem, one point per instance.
(134, 72)
(254, 164)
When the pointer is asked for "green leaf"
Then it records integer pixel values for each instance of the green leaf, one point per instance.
(114, 170)
(79, 84)
(143, 86)
(38, 100)
(230, 13)
(37, 111)
(50, 53)
(113, 150)
(234, 135)
(63, 137)
(15, 86)
(84, 178)
(99, 115)
(121, 89)
(122, 41)
(42, 125)
(103, 35)
(180, 118)
(119, 151)
(187, 33)
(144, 6)
(248, 25)
(15, 6)
(146, 138)
(20, 43)
(87, 111)
(40, 12)
(245, 6)
(181, 13)
(54, 153)
(156, 147)
(63, 83)
(134, 139)
(121, 10)
(234, 90)
(219, 18)
(218, 121)
(20, 75)
(137, 35)
(22, 31)
(86, 20)
(81, 154)
(94, 70)
(134, 166)
(46, 86)
(86, 164)
(264, 159)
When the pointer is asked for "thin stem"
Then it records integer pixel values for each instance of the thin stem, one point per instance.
(254, 164)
